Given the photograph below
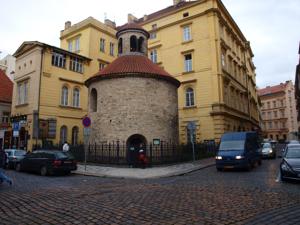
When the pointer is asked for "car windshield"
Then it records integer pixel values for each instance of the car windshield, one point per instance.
(20, 153)
(267, 145)
(9, 153)
(293, 153)
(232, 145)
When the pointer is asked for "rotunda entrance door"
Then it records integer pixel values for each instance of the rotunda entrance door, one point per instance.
(135, 143)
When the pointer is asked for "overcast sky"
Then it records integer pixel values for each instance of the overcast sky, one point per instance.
(271, 26)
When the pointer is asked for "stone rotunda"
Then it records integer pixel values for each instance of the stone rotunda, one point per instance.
(133, 100)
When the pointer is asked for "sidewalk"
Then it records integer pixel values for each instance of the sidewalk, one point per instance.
(137, 173)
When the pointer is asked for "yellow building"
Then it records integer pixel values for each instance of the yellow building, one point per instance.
(93, 39)
(49, 96)
(200, 44)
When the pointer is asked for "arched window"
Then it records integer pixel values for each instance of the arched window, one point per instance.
(63, 134)
(141, 43)
(133, 43)
(64, 96)
(76, 97)
(120, 45)
(93, 100)
(189, 97)
(75, 131)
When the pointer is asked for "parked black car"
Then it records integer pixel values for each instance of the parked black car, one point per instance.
(290, 164)
(47, 162)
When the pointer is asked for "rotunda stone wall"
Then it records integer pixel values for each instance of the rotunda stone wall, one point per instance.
(134, 105)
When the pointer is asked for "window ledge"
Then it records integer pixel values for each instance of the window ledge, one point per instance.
(22, 105)
(192, 71)
(186, 42)
(190, 107)
(70, 107)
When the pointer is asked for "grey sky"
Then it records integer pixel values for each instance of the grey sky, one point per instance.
(271, 26)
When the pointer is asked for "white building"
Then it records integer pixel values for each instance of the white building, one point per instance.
(8, 65)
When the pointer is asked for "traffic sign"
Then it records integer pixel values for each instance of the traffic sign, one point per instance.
(191, 125)
(86, 131)
(16, 126)
(86, 121)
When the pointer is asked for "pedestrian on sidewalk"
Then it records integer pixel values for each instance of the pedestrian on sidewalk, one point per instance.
(66, 147)
(3, 177)
(143, 161)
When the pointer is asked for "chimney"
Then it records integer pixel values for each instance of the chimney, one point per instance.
(110, 23)
(131, 18)
(175, 2)
(67, 25)
(145, 17)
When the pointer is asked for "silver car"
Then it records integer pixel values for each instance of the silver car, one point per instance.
(14, 156)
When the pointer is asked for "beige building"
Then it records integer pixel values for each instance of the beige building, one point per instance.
(279, 115)
(199, 43)
(8, 64)
(49, 96)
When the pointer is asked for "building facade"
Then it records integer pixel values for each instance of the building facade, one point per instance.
(49, 96)
(213, 63)
(279, 115)
(297, 91)
(8, 64)
(6, 88)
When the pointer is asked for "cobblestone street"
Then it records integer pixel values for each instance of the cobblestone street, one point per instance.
(202, 197)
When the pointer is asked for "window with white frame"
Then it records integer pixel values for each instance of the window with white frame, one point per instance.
(22, 92)
(187, 36)
(5, 117)
(189, 97)
(58, 59)
(102, 45)
(223, 60)
(63, 134)
(76, 97)
(70, 46)
(77, 44)
(101, 66)
(64, 96)
(152, 35)
(188, 63)
(111, 49)
(76, 64)
(153, 55)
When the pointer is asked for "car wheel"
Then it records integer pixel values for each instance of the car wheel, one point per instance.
(44, 171)
(18, 167)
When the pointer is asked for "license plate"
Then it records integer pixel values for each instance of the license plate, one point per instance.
(228, 167)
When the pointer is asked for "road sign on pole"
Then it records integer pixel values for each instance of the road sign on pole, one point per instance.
(86, 122)
(192, 128)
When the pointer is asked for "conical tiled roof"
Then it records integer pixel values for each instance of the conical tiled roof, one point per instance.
(133, 65)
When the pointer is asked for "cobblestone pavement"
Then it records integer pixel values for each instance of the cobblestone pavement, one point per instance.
(202, 197)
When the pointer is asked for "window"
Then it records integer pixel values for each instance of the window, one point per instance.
(22, 92)
(63, 134)
(223, 59)
(153, 56)
(5, 117)
(270, 125)
(269, 105)
(152, 35)
(111, 49)
(282, 113)
(275, 124)
(282, 103)
(154, 26)
(141, 44)
(263, 115)
(187, 33)
(275, 114)
(189, 97)
(188, 63)
(185, 14)
(64, 96)
(120, 46)
(76, 97)
(133, 43)
(102, 45)
(102, 66)
(77, 45)
(58, 59)
(93, 100)
(70, 46)
(76, 65)
(269, 115)
(75, 132)
(274, 104)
